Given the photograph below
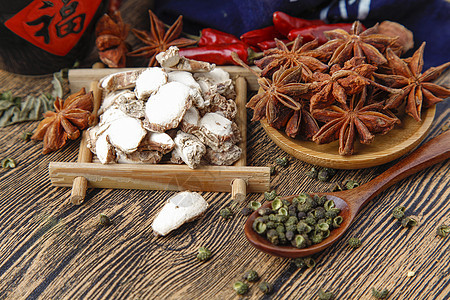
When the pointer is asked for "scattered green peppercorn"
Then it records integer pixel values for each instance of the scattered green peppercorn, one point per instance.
(380, 294)
(240, 287)
(323, 175)
(398, 212)
(273, 170)
(300, 263)
(246, 211)
(408, 222)
(324, 295)
(269, 196)
(276, 203)
(336, 187)
(312, 173)
(104, 220)
(26, 135)
(443, 230)
(8, 163)
(251, 276)
(203, 254)
(265, 287)
(351, 184)
(226, 213)
(283, 161)
(354, 242)
(254, 205)
(310, 263)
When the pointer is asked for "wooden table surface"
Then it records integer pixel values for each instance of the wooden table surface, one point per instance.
(51, 249)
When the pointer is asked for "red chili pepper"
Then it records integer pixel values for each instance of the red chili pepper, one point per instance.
(253, 37)
(270, 44)
(284, 23)
(316, 32)
(217, 54)
(211, 36)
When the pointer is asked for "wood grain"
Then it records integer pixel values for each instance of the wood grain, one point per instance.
(51, 249)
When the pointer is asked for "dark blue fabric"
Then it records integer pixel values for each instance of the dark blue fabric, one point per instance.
(429, 20)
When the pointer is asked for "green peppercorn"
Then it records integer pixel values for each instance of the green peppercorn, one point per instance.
(291, 220)
(265, 219)
(299, 262)
(319, 213)
(380, 294)
(299, 241)
(295, 201)
(354, 242)
(272, 217)
(337, 221)
(246, 211)
(290, 234)
(292, 210)
(277, 203)
(336, 187)
(323, 175)
(282, 161)
(322, 227)
(282, 238)
(259, 227)
(240, 287)
(272, 236)
(329, 204)
(302, 227)
(254, 205)
(226, 213)
(270, 225)
(398, 212)
(317, 237)
(409, 222)
(301, 215)
(263, 211)
(304, 207)
(443, 230)
(269, 196)
(320, 200)
(312, 173)
(265, 287)
(251, 276)
(203, 254)
(351, 184)
(310, 263)
(326, 234)
(324, 295)
(331, 171)
(104, 220)
(8, 163)
(283, 211)
(280, 228)
(310, 220)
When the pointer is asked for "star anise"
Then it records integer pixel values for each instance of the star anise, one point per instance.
(71, 116)
(159, 40)
(418, 90)
(298, 55)
(346, 122)
(111, 33)
(343, 45)
(341, 82)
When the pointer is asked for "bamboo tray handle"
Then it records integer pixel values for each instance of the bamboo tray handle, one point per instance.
(84, 154)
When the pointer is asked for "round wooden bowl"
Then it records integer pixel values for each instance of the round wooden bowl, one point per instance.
(384, 148)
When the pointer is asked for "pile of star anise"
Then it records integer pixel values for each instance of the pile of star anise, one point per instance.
(346, 89)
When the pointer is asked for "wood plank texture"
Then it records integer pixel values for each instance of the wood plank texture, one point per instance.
(51, 249)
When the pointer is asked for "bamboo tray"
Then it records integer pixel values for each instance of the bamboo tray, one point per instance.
(385, 148)
(239, 178)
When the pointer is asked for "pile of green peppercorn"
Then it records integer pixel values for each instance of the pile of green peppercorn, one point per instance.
(305, 221)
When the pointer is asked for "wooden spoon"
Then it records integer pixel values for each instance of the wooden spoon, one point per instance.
(352, 201)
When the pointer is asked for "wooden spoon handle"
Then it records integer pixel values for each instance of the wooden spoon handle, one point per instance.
(432, 152)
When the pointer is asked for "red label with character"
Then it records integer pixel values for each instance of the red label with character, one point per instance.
(54, 25)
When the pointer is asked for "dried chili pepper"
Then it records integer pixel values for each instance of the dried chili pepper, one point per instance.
(266, 45)
(284, 23)
(218, 54)
(254, 37)
(317, 32)
(211, 36)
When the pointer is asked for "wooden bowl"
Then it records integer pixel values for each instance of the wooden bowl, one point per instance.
(385, 148)
(262, 244)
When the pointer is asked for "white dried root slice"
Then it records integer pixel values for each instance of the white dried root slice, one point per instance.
(111, 115)
(218, 103)
(120, 80)
(189, 149)
(140, 157)
(187, 79)
(112, 98)
(171, 60)
(181, 208)
(149, 81)
(225, 158)
(190, 121)
(132, 107)
(126, 134)
(217, 132)
(165, 109)
(216, 80)
(158, 141)
(92, 135)
(104, 150)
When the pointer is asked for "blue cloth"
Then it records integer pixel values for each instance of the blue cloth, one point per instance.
(429, 20)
